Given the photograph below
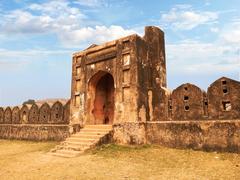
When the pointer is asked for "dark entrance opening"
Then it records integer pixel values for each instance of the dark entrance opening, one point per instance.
(102, 98)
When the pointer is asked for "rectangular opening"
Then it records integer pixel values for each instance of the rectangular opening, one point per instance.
(186, 98)
(78, 85)
(126, 59)
(126, 94)
(126, 76)
(185, 88)
(226, 105)
(78, 70)
(224, 82)
(77, 100)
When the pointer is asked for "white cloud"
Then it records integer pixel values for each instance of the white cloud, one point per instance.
(231, 33)
(89, 35)
(184, 18)
(68, 23)
(197, 58)
(42, 18)
(21, 58)
(90, 3)
(214, 29)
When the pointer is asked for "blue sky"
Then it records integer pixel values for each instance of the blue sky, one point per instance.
(37, 39)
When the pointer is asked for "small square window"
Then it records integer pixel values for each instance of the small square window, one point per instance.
(78, 70)
(126, 76)
(126, 59)
(185, 88)
(227, 106)
(186, 98)
(78, 85)
(77, 100)
(224, 82)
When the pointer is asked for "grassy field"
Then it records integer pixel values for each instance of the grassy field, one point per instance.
(29, 160)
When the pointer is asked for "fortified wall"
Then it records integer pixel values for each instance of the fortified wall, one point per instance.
(123, 83)
(38, 121)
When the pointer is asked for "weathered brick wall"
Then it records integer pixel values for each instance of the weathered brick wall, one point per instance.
(35, 122)
(35, 132)
(56, 113)
(217, 135)
(214, 135)
(189, 102)
(224, 99)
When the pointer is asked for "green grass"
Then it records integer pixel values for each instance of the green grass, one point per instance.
(28, 160)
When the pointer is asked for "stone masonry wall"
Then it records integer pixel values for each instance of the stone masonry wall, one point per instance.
(189, 102)
(40, 121)
(217, 135)
(214, 135)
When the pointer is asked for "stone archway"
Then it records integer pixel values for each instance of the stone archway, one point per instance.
(101, 93)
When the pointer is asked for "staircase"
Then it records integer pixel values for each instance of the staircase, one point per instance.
(88, 137)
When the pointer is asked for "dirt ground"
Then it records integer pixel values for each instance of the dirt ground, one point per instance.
(24, 160)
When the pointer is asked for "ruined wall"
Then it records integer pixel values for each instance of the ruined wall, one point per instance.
(200, 135)
(34, 132)
(224, 99)
(129, 133)
(152, 75)
(187, 103)
(137, 66)
(208, 135)
(36, 121)
(116, 59)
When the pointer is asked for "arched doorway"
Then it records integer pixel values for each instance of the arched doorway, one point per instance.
(101, 91)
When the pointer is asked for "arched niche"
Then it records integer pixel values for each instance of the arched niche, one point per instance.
(101, 98)
(57, 113)
(44, 114)
(16, 115)
(8, 115)
(33, 117)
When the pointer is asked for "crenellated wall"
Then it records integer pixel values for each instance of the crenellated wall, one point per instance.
(189, 102)
(39, 121)
(56, 113)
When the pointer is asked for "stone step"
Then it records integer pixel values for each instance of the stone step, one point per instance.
(92, 132)
(76, 147)
(81, 139)
(98, 127)
(76, 143)
(95, 130)
(86, 135)
(87, 138)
